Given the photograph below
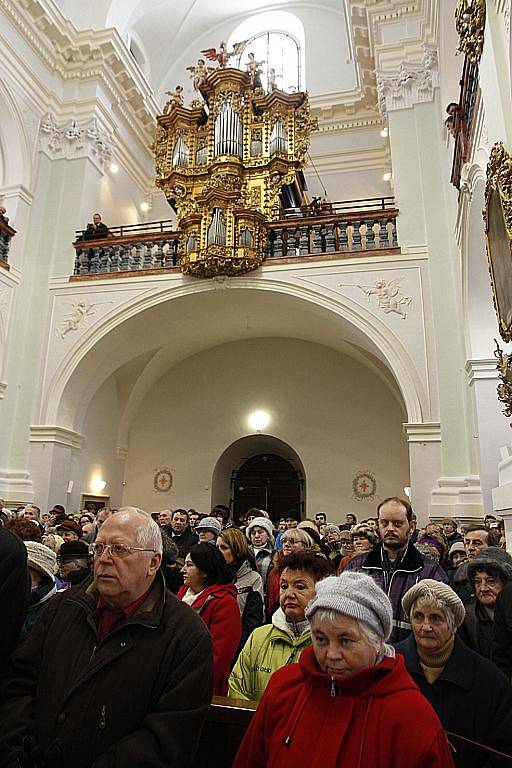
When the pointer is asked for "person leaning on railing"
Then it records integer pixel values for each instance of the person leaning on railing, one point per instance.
(96, 230)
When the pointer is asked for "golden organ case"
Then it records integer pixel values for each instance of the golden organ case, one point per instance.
(222, 165)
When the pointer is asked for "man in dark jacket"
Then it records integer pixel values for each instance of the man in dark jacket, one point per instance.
(117, 673)
(179, 531)
(395, 564)
(14, 592)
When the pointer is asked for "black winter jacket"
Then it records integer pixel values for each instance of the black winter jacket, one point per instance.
(136, 698)
(14, 592)
(472, 698)
(502, 631)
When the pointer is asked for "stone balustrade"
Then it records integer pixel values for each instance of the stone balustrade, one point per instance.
(352, 227)
(6, 235)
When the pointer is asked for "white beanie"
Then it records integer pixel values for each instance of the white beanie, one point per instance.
(41, 558)
(261, 522)
(356, 595)
(209, 524)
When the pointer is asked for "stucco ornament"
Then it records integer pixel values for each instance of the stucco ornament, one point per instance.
(364, 485)
(389, 296)
(162, 480)
(77, 318)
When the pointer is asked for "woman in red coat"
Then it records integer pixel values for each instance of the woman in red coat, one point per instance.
(208, 589)
(349, 702)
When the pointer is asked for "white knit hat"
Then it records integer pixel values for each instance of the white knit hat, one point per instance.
(209, 524)
(356, 595)
(261, 522)
(41, 558)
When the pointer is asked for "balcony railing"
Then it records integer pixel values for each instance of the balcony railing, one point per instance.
(352, 227)
(6, 235)
(463, 122)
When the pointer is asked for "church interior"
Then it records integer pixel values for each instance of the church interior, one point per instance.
(256, 254)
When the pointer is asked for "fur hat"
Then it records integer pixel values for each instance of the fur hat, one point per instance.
(429, 587)
(261, 522)
(41, 558)
(209, 524)
(356, 595)
(494, 559)
(69, 525)
(73, 549)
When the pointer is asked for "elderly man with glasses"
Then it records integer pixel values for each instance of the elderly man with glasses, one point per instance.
(116, 672)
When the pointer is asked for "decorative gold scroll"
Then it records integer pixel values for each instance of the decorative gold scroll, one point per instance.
(470, 26)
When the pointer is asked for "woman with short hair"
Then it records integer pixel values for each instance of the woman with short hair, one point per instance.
(234, 547)
(293, 540)
(209, 590)
(471, 696)
(349, 702)
(282, 641)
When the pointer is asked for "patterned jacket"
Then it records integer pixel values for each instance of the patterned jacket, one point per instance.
(412, 568)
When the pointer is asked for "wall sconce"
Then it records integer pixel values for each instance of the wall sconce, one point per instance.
(97, 484)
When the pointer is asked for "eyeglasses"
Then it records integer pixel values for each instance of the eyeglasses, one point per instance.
(292, 541)
(115, 550)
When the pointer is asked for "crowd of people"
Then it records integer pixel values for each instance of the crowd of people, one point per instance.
(120, 625)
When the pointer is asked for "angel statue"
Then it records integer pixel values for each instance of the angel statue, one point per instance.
(272, 79)
(199, 73)
(222, 56)
(176, 99)
(253, 69)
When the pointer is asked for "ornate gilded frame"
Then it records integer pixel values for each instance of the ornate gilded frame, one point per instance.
(470, 26)
(498, 235)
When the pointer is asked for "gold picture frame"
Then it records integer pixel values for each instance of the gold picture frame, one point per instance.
(96, 500)
(498, 235)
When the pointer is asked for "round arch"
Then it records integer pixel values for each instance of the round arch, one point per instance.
(67, 393)
(247, 447)
(15, 164)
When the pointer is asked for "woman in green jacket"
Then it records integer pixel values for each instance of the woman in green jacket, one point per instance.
(275, 645)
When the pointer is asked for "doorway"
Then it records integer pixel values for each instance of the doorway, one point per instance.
(269, 482)
(260, 471)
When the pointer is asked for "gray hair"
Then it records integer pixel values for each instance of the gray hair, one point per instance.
(333, 617)
(148, 533)
(431, 600)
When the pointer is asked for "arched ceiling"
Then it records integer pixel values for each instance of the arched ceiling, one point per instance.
(166, 334)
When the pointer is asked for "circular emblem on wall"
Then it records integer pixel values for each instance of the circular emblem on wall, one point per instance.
(162, 481)
(364, 485)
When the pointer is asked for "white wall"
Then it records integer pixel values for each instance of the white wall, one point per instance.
(332, 411)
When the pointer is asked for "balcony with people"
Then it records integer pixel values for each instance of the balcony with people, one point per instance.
(319, 230)
(6, 235)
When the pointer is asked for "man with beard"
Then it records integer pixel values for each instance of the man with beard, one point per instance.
(395, 564)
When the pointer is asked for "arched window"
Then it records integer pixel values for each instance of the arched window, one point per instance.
(279, 53)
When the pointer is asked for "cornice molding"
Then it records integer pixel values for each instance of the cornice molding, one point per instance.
(58, 435)
(86, 55)
(481, 369)
(426, 432)
(412, 83)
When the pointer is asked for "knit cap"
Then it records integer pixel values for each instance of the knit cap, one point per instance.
(41, 558)
(357, 596)
(458, 546)
(428, 588)
(261, 522)
(209, 524)
(491, 557)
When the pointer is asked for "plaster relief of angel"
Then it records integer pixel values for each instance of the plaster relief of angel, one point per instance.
(79, 316)
(388, 294)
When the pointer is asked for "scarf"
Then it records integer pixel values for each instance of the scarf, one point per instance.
(434, 660)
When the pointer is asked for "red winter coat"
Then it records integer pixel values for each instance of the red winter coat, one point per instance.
(218, 607)
(376, 718)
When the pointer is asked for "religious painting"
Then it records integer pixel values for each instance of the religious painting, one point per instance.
(94, 503)
(498, 232)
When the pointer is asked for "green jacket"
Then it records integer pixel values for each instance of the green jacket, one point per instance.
(268, 649)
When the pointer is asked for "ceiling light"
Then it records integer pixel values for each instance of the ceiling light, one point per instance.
(144, 206)
(113, 168)
(258, 420)
(97, 484)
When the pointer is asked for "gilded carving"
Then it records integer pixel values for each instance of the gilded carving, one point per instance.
(470, 26)
(220, 183)
(504, 368)
(498, 230)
